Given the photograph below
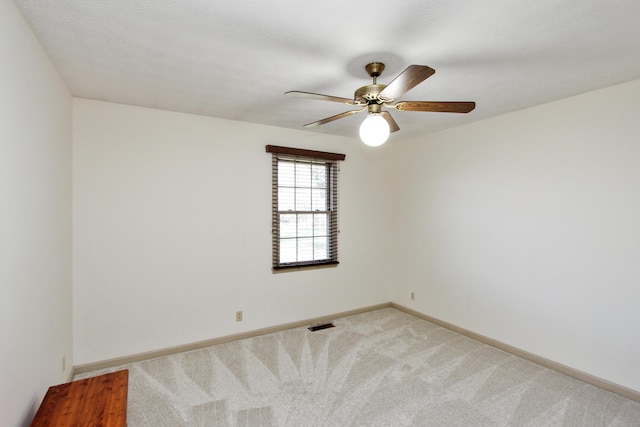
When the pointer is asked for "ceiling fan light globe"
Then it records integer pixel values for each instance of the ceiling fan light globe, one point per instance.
(374, 130)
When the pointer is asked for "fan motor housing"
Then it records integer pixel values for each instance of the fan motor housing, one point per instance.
(368, 93)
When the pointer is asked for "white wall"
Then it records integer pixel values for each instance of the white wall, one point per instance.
(526, 228)
(35, 222)
(172, 231)
(523, 228)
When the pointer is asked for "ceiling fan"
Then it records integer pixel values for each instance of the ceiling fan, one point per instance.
(375, 129)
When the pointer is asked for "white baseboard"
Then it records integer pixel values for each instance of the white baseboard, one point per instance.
(567, 370)
(110, 363)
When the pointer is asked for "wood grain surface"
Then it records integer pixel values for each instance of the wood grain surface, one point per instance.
(98, 401)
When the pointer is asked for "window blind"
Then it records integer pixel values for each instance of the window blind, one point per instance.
(304, 207)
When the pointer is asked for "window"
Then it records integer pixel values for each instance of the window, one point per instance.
(305, 207)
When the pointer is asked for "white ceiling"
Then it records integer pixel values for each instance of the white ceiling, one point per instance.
(235, 60)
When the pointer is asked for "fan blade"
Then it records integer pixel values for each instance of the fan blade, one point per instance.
(299, 94)
(441, 107)
(406, 80)
(336, 117)
(393, 126)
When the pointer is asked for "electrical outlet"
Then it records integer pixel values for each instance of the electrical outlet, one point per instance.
(64, 363)
(413, 296)
(239, 316)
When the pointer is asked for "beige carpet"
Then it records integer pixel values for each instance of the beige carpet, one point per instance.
(382, 368)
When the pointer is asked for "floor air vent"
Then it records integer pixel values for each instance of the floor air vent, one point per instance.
(320, 326)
